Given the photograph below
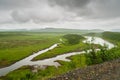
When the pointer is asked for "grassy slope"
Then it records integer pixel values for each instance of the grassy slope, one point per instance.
(15, 46)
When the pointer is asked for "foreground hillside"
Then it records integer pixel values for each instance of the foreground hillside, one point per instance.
(105, 71)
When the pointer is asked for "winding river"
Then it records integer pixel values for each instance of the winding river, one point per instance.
(50, 61)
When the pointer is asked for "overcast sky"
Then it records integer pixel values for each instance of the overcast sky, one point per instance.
(78, 14)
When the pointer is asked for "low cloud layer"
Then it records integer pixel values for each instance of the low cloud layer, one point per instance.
(53, 13)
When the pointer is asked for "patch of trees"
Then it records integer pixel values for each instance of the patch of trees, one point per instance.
(115, 36)
(73, 38)
(90, 34)
(96, 57)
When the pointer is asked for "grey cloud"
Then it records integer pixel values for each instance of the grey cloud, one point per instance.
(19, 4)
(44, 15)
(97, 9)
(71, 3)
(20, 16)
(79, 7)
(86, 8)
(12, 4)
(105, 9)
(51, 11)
(35, 10)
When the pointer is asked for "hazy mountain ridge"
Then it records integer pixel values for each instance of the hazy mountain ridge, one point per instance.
(56, 30)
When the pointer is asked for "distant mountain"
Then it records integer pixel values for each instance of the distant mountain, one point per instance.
(66, 30)
(62, 30)
(12, 30)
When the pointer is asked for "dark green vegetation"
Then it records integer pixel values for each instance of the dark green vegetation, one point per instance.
(73, 38)
(17, 45)
(105, 55)
(93, 34)
(113, 36)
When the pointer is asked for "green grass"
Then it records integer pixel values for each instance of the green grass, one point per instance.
(16, 46)
(62, 49)
(77, 61)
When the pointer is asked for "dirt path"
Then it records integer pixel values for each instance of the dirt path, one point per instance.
(105, 71)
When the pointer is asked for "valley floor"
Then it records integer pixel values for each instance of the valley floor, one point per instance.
(105, 71)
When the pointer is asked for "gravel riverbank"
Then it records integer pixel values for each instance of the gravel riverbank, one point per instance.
(105, 71)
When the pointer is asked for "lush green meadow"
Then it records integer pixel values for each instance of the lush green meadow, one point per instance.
(62, 49)
(77, 61)
(50, 39)
(17, 45)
